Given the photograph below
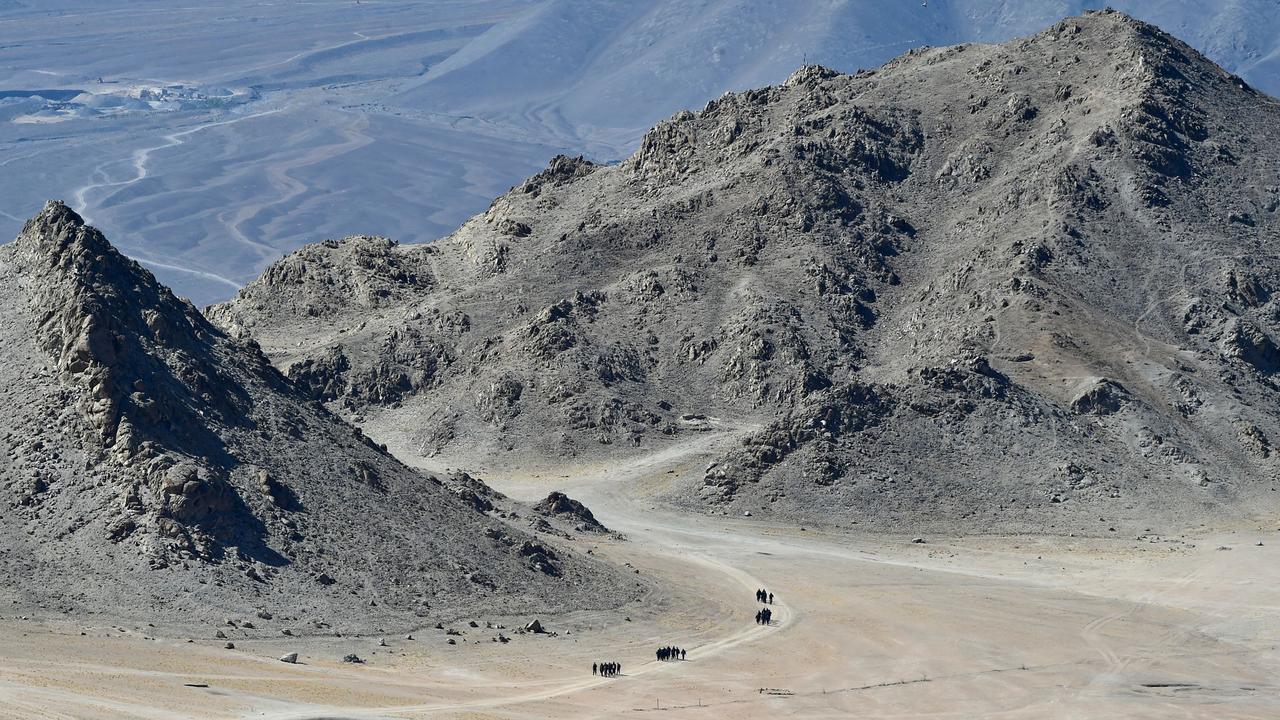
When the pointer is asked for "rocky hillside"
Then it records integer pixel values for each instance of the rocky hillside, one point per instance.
(1021, 285)
(150, 463)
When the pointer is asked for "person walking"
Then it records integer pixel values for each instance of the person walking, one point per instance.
(770, 598)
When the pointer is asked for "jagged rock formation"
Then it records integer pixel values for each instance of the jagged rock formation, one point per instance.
(148, 462)
(559, 505)
(1022, 285)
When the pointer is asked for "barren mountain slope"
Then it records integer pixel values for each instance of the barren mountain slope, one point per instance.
(151, 464)
(1024, 285)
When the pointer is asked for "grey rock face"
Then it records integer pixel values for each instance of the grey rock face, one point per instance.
(896, 284)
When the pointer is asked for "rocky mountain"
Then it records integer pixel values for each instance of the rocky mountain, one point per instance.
(1026, 285)
(167, 469)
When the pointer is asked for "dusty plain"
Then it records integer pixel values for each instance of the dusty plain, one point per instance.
(866, 626)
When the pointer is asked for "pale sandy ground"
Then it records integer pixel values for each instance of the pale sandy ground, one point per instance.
(1008, 627)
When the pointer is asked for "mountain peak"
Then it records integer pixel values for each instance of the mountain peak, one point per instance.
(57, 212)
(809, 74)
(58, 233)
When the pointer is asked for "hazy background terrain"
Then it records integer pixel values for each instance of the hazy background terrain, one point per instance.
(208, 138)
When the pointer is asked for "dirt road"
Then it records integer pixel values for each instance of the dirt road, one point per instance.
(863, 626)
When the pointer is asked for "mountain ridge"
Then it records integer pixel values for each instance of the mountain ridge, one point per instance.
(939, 248)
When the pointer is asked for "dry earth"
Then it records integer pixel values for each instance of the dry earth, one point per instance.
(1019, 627)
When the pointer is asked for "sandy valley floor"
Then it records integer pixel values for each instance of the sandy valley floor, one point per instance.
(868, 627)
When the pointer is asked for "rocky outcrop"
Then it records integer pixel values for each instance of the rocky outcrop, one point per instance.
(561, 506)
(1100, 397)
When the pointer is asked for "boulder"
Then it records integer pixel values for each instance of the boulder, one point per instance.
(1100, 397)
(557, 504)
(291, 658)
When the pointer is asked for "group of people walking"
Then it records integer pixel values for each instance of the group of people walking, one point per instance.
(764, 615)
(608, 669)
(670, 653)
